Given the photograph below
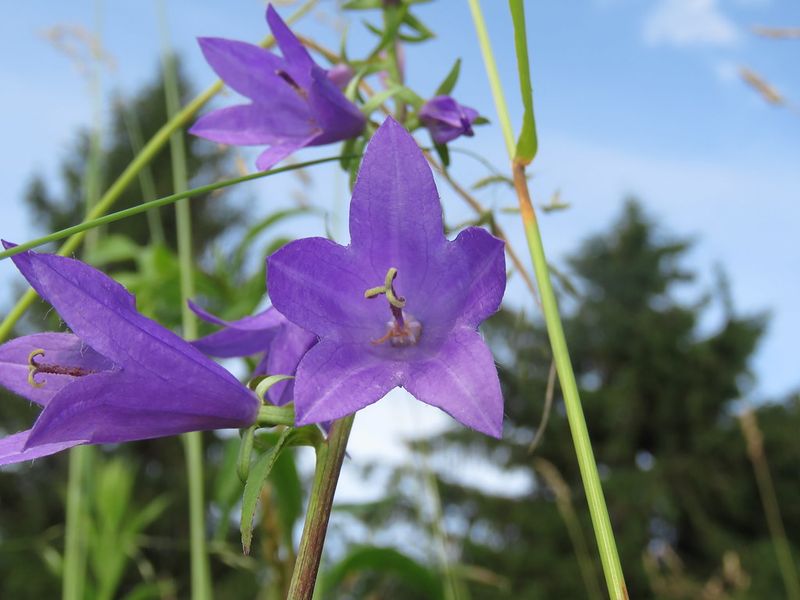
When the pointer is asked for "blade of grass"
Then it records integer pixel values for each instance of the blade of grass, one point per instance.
(202, 588)
(598, 510)
(769, 499)
(150, 150)
(77, 526)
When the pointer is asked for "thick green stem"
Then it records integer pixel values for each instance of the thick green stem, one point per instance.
(601, 522)
(330, 455)
(131, 172)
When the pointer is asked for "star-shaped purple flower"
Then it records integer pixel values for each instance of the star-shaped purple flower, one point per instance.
(118, 377)
(446, 119)
(282, 342)
(399, 306)
(294, 103)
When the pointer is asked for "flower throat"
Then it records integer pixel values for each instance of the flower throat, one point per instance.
(403, 330)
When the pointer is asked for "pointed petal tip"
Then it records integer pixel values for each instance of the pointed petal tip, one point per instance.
(7, 244)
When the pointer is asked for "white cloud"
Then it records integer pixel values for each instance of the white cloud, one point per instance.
(689, 23)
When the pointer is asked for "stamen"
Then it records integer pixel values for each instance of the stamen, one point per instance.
(35, 368)
(290, 80)
(404, 330)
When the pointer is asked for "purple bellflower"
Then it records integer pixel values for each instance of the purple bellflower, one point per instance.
(266, 332)
(399, 306)
(446, 119)
(118, 377)
(294, 103)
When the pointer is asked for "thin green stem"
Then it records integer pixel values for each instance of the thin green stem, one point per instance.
(598, 510)
(146, 182)
(330, 455)
(202, 588)
(492, 73)
(150, 150)
(165, 201)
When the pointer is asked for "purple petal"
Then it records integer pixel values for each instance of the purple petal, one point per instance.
(339, 118)
(461, 380)
(252, 124)
(272, 156)
(395, 215)
(318, 285)
(334, 380)
(63, 349)
(14, 448)
(299, 62)
(466, 283)
(284, 355)
(267, 319)
(122, 407)
(103, 314)
(248, 69)
(247, 336)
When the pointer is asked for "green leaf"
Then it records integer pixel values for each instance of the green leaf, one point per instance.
(527, 143)
(385, 560)
(252, 489)
(423, 33)
(362, 4)
(375, 101)
(493, 180)
(449, 82)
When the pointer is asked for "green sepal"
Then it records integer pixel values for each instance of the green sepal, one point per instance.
(245, 450)
(261, 384)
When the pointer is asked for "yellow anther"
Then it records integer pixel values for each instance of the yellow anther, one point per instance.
(388, 289)
(33, 368)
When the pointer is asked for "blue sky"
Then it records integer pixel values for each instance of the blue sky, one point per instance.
(632, 98)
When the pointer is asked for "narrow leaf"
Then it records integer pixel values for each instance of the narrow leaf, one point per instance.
(252, 489)
(527, 143)
(450, 81)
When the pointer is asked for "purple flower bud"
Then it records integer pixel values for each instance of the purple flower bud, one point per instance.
(446, 119)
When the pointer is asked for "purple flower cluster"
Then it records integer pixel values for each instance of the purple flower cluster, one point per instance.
(399, 306)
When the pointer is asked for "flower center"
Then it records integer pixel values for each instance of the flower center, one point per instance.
(35, 368)
(403, 329)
